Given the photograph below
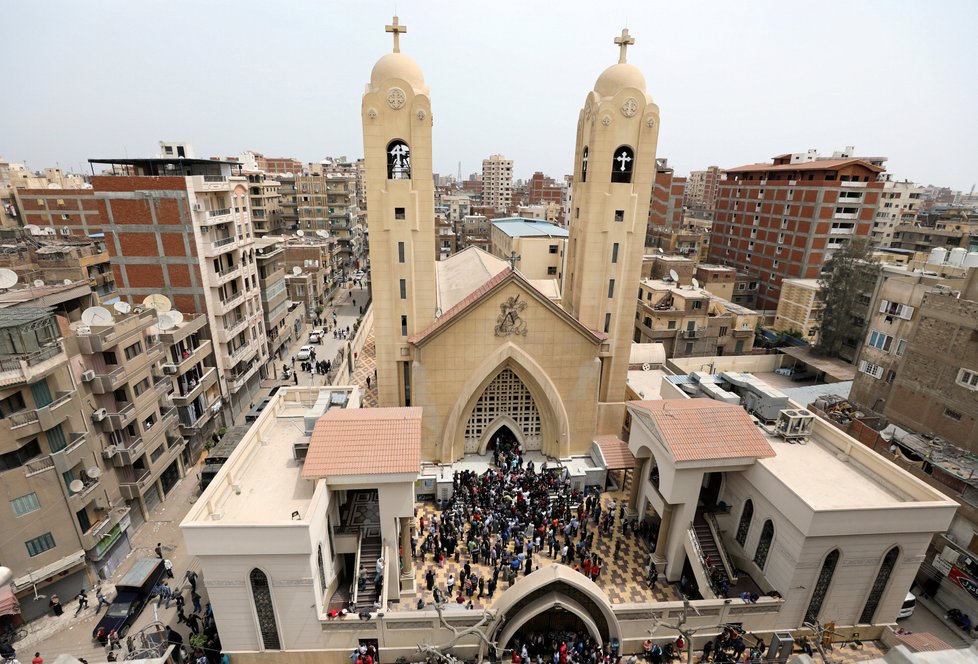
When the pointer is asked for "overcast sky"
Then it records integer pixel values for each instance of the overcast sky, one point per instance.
(736, 82)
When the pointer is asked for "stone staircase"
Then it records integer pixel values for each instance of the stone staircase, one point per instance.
(710, 550)
(370, 550)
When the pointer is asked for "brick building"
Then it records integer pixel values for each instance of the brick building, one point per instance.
(541, 190)
(784, 219)
(666, 206)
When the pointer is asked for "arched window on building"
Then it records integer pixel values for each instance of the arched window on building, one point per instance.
(745, 518)
(584, 165)
(322, 571)
(398, 160)
(764, 543)
(622, 162)
(264, 610)
(879, 586)
(822, 586)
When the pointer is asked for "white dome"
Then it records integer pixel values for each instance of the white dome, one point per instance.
(617, 77)
(398, 65)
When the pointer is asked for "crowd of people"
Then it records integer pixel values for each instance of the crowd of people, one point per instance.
(561, 647)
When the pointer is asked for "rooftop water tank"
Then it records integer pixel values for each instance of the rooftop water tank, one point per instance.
(956, 257)
(937, 256)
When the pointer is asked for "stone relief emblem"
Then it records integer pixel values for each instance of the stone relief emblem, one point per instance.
(509, 321)
(396, 98)
(421, 114)
(372, 113)
(606, 120)
(650, 122)
(630, 107)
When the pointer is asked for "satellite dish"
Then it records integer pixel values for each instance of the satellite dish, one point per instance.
(322, 233)
(38, 283)
(661, 251)
(297, 270)
(696, 284)
(166, 321)
(97, 316)
(94, 472)
(300, 233)
(76, 486)
(674, 276)
(67, 282)
(32, 229)
(175, 316)
(159, 302)
(7, 278)
(122, 307)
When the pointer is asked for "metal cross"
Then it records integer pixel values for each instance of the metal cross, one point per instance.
(623, 42)
(512, 260)
(398, 29)
(623, 159)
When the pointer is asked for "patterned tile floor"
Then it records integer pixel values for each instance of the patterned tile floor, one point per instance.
(366, 364)
(622, 578)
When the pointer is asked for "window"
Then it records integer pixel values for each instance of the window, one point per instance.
(261, 593)
(552, 270)
(156, 454)
(403, 287)
(671, 325)
(689, 348)
(404, 326)
(134, 350)
(322, 570)
(149, 422)
(25, 504)
(647, 321)
(56, 438)
(553, 249)
(607, 322)
(619, 215)
(398, 160)
(614, 253)
(968, 378)
(880, 341)
(901, 348)
(896, 309)
(41, 393)
(12, 404)
(697, 304)
(611, 288)
(400, 252)
(399, 213)
(39, 545)
(745, 518)
(952, 414)
(141, 386)
(19, 457)
(577, 213)
(621, 164)
(879, 586)
(723, 330)
(764, 544)
(890, 377)
(822, 586)
(584, 164)
(873, 370)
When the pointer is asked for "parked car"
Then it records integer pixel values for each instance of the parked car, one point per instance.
(132, 593)
(304, 353)
(317, 336)
(256, 411)
(909, 604)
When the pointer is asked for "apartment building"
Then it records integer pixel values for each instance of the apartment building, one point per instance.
(181, 226)
(446, 242)
(543, 190)
(691, 322)
(536, 247)
(497, 182)
(948, 229)
(15, 177)
(56, 259)
(702, 187)
(283, 317)
(320, 257)
(783, 220)
(688, 241)
(898, 206)
(326, 202)
(456, 206)
(65, 510)
(473, 231)
(666, 206)
(264, 199)
(800, 308)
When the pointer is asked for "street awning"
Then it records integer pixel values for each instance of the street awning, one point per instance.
(46, 572)
(8, 601)
(614, 452)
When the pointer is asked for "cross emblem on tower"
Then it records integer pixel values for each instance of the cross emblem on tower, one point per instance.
(623, 159)
(397, 30)
(512, 258)
(623, 42)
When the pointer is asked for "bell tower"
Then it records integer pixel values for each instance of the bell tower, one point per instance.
(396, 115)
(614, 171)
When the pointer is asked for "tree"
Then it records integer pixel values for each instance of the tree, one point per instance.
(444, 652)
(849, 275)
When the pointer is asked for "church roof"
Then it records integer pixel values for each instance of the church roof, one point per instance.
(705, 430)
(461, 274)
(365, 441)
(484, 291)
(523, 227)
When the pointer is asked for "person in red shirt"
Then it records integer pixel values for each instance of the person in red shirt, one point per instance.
(37, 659)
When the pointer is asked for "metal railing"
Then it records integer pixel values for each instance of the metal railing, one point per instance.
(18, 420)
(13, 363)
(218, 213)
(35, 466)
(215, 178)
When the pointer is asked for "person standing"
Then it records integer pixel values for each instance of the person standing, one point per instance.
(100, 596)
(82, 598)
(168, 565)
(159, 550)
(195, 598)
(191, 577)
(37, 659)
(55, 605)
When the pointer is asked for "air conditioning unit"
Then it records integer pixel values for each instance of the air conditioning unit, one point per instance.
(170, 369)
(88, 376)
(109, 452)
(99, 415)
(102, 504)
(198, 207)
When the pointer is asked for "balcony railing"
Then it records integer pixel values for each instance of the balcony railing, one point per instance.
(18, 420)
(35, 466)
(215, 178)
(22, 366)
(217, 213)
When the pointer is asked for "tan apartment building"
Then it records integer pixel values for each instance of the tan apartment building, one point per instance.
(307, 288)
(691, 322)
(661, 266)
(536, 247)
(263, 192)
(325, 203)
(951, 229)
(321, 258)
(898, 206)
(55, 259)
(283, 317)
(702, 187)
(719, 280)
(473, 231)
(800, 308)
(688, 241)
(446, 242)
(497, 182)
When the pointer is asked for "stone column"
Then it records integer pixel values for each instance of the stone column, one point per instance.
(407, 565)
(662, 541)
(638, 476)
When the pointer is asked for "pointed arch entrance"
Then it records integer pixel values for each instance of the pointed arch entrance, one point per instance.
(504, 403)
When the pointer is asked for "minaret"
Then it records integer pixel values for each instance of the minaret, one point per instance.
(396, 114)
(614, 171)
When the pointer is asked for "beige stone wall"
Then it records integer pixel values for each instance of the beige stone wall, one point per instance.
(556, 362)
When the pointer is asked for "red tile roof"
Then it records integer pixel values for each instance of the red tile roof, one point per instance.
(704, 429)
(366, 441)
(822, 164)
(923, 642)
(615, 451)
(483, 291)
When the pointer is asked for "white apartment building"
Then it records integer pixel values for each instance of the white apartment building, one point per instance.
(497, 182)
(898, 204)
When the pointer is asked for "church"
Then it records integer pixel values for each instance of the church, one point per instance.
(313, 537)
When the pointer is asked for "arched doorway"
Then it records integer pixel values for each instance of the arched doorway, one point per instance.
(505, 402)
(502, 434)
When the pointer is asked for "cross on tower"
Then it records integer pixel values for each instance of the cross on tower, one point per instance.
(623, 159)
(623, 42)
(511, 259)
(397, 30)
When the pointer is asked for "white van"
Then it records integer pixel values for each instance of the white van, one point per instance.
(909, 604)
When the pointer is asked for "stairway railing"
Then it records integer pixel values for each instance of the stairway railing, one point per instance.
(725, 558)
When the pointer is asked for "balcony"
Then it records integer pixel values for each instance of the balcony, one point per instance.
(239, 380)
(742, 333)
(227, 274)
(16, 369)
(842, 231)
(163, 386)
(129, 453)
(106, 383)
(155, 352)
(231, 328)
(845, 215)
(208, 378)
(26, 423)
(169, 418)
(219, 216)
(694, 333)
(76, 452)
(191, 324)
(853, 184)
(194, 356)
(39, 465)
(229, 303)
(220, 246)
(132, 490)
(123, 418)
